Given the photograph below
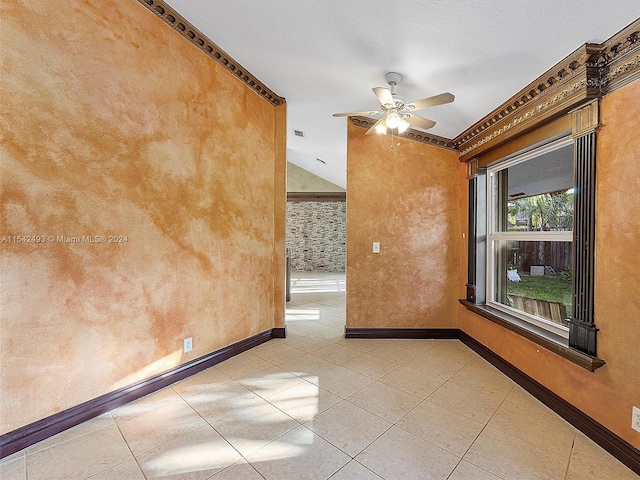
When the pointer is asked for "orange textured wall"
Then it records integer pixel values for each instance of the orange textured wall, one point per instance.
(113, 124)
(408, 200)
(608, 394)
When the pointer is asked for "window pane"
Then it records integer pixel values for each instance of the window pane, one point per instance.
(535, 277)
(545, 212)
(537, 194)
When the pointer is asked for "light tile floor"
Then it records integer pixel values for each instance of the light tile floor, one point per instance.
(317, 406)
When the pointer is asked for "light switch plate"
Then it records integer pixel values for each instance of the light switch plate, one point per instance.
(635, 419)
(376, 247)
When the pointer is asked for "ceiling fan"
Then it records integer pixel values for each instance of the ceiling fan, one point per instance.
(398, 115)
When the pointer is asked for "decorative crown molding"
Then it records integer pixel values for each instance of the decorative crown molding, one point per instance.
(621, 54)
(588, 73)
(410, 134)
(188, 31)
(561, 88)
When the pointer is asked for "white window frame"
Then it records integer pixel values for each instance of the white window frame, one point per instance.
(493, 237)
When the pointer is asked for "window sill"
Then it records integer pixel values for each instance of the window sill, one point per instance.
(548, 340)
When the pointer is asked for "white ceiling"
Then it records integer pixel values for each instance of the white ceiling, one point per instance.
(324, 56)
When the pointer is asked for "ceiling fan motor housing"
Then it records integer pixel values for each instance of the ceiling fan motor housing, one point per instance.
(393, 78)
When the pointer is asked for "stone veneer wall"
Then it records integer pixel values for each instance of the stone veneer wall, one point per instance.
(316, 236)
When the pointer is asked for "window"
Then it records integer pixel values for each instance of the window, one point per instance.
(531, 257)
(529, 251)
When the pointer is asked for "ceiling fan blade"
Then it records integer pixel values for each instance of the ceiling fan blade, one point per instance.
(430, 102)
(384, 96)
(418, 121)
(357, 114)
(372, 130)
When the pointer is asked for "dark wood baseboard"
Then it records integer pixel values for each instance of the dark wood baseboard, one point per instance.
(279, 332)
(30, 434)
(35, 432)
(616, 446)
(424, 333)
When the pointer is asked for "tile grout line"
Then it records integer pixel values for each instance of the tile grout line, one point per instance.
(168, 441)
(24, 460)
(363, 449)
(573, 444)
(75, 437)
(486, 424)
(238, 410)
(543, 447)
(135, 459)
(438, 446)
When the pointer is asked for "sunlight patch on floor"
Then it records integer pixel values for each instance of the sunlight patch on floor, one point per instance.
(192, 458)
(313, 283)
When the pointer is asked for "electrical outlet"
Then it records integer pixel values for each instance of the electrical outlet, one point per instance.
(188, 345)
(635, 419)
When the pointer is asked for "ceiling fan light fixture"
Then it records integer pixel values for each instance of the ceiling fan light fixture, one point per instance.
(403, 125)
(393, 120)
(397, 115)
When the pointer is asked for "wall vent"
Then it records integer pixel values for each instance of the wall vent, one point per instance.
(298, 133)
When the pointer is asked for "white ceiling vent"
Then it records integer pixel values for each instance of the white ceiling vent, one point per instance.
(298, 133)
